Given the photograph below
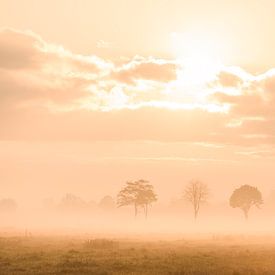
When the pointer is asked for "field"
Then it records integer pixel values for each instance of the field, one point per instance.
(52, 255)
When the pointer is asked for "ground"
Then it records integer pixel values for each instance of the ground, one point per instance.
(52, 255)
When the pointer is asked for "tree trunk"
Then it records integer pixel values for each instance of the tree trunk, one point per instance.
(195, 214)
(196, 211)
(245, 211)
(135, 210)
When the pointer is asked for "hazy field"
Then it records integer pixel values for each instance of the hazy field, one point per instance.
(67, 255)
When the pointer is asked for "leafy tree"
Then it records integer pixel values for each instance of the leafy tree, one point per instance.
(245, 197)
(72, 203)
(139, 193)
(8, 205)
(196, 193)
(107, 203)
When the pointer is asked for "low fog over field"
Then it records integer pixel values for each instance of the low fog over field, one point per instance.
(137, 137)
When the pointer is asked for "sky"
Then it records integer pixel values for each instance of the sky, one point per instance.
(96, 93)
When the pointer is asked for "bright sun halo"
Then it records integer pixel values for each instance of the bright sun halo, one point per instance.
(199, 54)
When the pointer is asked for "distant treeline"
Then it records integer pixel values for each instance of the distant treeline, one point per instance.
(141, 195)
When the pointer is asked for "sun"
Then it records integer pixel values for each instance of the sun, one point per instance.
(199, 54)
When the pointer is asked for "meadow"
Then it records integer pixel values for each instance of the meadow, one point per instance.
(75, 255)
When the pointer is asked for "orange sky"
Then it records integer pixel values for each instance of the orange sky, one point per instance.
(143, 27)
(95, 93)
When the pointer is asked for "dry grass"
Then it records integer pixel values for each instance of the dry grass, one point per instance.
(77, 256)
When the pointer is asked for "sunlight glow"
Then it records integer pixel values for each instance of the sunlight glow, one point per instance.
(200, 56)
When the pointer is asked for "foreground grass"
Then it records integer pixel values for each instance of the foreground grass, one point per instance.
(75, 256)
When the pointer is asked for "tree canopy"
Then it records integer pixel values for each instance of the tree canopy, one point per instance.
(245, 197)
(139, 194)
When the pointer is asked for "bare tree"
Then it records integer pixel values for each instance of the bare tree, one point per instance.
(196, 193)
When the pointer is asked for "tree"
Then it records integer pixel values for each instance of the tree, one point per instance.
(196, 193)
(72, 203)
(139, 193)
(8, 205)
(107, 203)
(245, 197)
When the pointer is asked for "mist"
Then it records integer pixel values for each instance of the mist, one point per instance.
(137, 137)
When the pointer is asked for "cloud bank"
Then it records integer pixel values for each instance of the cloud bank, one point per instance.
(50, 93)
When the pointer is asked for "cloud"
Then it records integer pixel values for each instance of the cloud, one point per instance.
(50, 93)
(19, 50)
(141, 124)
(232, 77)
(252, 108)
(48, 74)
(227, 79)
(146, 69)
(27, 50)
(34, 72)
(254, 99)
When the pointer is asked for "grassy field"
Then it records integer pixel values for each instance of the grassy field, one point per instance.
(39, 255)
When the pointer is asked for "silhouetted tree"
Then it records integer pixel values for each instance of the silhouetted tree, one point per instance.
(8, 205)
(245, 197)
(196, 193)
(139, 194)
(72, 202)
(107, 203)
